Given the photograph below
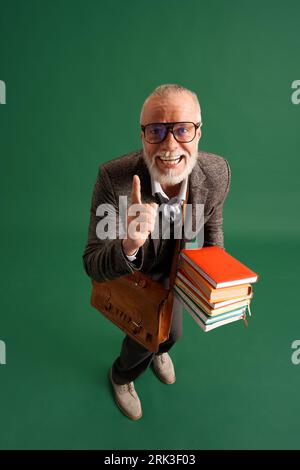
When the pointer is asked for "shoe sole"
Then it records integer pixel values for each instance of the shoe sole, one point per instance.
(134, 418)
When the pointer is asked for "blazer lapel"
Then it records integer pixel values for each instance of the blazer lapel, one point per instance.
(197, 189)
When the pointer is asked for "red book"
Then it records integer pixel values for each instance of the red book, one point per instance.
(218, 267)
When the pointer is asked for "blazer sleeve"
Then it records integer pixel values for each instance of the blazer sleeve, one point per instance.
(213, 228)
(104, 259)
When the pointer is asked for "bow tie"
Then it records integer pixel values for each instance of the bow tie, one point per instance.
(171, 213)
(164, 200)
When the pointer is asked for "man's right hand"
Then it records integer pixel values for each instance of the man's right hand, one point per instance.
(138, 226)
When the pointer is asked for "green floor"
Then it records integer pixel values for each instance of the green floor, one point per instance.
(236, 388)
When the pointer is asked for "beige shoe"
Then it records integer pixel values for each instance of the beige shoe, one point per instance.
(127, 399)
(163, 368)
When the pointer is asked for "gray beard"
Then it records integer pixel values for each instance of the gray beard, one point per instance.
(168, 177)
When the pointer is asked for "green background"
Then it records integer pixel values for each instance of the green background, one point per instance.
(77, 73)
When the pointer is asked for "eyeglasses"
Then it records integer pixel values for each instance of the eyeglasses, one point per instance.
(183, 132)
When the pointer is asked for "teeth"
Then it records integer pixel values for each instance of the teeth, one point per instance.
(171, 160)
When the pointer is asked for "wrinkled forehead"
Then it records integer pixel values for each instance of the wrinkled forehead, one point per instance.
(170, 108)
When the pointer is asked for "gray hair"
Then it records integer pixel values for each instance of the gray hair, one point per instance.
(168, 88)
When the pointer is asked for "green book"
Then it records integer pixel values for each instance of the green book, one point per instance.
(205, 319)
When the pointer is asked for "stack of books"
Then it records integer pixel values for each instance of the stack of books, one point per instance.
(213, 286)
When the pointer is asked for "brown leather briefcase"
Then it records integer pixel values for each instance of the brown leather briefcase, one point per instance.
(141, 307)
(138, 305)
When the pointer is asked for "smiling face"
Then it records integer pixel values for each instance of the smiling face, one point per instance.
(170, 162)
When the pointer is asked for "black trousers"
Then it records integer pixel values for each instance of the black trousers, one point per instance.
(134, 359)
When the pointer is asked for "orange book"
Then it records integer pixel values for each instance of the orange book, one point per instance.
(218, 267)
(206, 289)
(213, 301)
(207, 309)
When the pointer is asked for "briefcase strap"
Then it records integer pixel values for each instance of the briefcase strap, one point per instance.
(173, 270)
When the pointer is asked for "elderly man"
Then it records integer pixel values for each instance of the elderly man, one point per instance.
(168, 165)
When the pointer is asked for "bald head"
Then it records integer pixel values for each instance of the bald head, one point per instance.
(165, 94)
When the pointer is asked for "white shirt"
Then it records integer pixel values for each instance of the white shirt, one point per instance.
(177, 201)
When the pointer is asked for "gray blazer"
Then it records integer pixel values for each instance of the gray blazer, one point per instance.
(209, 184)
